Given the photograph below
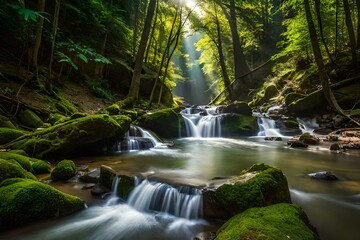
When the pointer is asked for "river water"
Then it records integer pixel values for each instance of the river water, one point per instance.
(332, 206)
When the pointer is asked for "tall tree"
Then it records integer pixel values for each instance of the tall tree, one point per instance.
(37, 43)
(135, 82)
(350, 29)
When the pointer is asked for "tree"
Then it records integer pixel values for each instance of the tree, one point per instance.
(37, 43)
(135, 82)
(350, 29)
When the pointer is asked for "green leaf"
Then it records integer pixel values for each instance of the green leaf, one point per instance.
(82, 57)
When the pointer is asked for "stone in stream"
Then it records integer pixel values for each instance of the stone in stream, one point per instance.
(323, 176)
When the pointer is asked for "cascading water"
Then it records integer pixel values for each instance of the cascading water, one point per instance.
(307, 125)
(136, 139)
(202, 122)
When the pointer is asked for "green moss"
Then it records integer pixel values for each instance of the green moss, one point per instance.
(280, 221)
(239, 125)
(24, 161)
(29, 119)
(315, 102)
(23, 201)
(40, 167)
(65, 138)
(19, 152)
(166, 122)
(9, 134)
(55, 117)
(260, 185)
(11, 169)
(125, 186)
(6, 123)
(64, 170)
(264, 95)
(64, 106)
(304, 135)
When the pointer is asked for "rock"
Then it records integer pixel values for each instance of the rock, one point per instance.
(126, 184)
(41, 167)
(264, 96)
(29, 119)
(297, 144)
(99, 189)
(279, 221)
(166, 123)
(309, 139)
(273, 138)
(91, 177)
(12, 169)
(55, 117)
(25, 162)
(88, 186)
(237, 107)
(323, 176)
(64, 170)
(9, 134)
(335, 147)
(67, 138)
(239, 125)
(259, 185)
(24, 201)
(205, 236)
(6, 123)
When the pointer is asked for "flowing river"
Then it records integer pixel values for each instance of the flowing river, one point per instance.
(332, 206)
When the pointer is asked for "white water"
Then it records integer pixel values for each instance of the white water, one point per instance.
(202, 126)
(268, 128)
(307, 125)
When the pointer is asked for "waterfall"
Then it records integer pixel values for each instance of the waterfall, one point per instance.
(184, 202)
(202, 122)
(307, 125)
(136, 139)
(268, 128)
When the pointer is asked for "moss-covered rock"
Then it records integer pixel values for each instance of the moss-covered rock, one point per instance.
(260, 185)
(6, 123)
(264, 96)
(11, 169)
(23, 201)
(24, 161)
(9, 134)
(237, 107)
(64, 170)
(19, 152)
(280, 221)
(126, 184)
(65, 138)
(166, 123)
(29, 118)
(314, 103)
(239, 125)
(55, 117)
(41, 166)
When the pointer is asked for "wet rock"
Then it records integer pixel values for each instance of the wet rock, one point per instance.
(273, 138)
(99, 189)
(239, 125)
(126, 183)
(323, 176)
(297, 144)
(335, 147)
(88, 186)
(236, 107)
(309, 139)
(91, 177)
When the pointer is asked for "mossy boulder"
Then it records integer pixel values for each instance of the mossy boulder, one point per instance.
(66, 138)
(9, 134)
(314, 103)
(166, 123)
(19, 152)
(64, 170)
(260, 185)
(41, 166)
(126, 184)
(29, 119)
(6, 123)
(24, 161)
(11, 169)
(238, 107)
(239, 125)
(55, 117)
(264, 96)
(279, 221)
(24, 201)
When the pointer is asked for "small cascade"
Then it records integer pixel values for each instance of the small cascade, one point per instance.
(307, 125)
(268, 128)
(114, 194)
(202, 122)
(136, 139)
(184, 202)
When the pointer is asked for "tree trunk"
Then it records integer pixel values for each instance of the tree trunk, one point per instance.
(152, 34)
(319, 62)
(358, 23)
(136, 26)
(39, 27)
(221, 58)
(48, 84)
(351, 33)
(135, 82)
(240, 64)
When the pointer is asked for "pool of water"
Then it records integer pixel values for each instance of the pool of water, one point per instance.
(332, 206)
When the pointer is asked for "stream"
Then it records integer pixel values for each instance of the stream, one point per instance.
(333, 207)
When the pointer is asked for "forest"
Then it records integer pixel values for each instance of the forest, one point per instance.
(179, 119)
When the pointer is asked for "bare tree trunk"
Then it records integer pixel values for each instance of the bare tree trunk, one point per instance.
(48, 84)
(39, 28)
(135, 82)
(319, 62)
(351, 33)
(358, 23)
(136, 26)
(152, 34)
